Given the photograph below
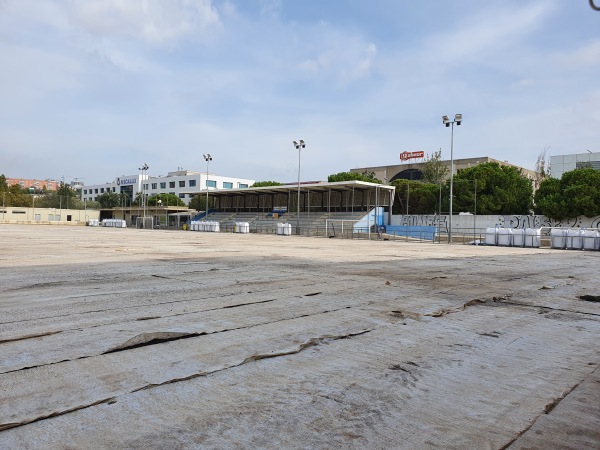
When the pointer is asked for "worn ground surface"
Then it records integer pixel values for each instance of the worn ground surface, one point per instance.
(120, 338)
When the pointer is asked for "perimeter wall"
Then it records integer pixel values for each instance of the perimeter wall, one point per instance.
(467, 222)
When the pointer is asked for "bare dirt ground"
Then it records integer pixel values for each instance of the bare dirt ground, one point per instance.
(121, 338)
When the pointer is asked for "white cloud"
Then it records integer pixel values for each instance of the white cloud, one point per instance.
(270, 8)
(152, 21)
(585, 56)
(336, 54)
(479, 36)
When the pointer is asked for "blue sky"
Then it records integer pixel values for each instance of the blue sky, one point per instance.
(93, 89)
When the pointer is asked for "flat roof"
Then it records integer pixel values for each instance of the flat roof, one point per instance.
(322, 187)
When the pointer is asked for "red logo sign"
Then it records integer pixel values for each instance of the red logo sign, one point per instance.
(405, 156)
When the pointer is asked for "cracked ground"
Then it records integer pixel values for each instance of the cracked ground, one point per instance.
(120, 338)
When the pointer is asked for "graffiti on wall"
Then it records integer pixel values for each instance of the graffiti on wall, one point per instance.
(543, 221)
(481, 222)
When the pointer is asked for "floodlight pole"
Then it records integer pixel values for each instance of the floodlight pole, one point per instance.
(299, 146)
(208, 159)
(144, 169)
(446, 121)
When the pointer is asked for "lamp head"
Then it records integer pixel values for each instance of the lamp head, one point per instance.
(445, 120)
(458, 119)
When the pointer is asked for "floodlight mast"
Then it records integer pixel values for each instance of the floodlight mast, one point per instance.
(446, 121)
(299, 146)
(144, 169)
(208, 159)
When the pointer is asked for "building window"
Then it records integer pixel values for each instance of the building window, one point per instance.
(154, 185)
(227, 185)
(242, 185)
(172, 184)
(95, 191)
(192, 183)
(211, 183)
(181, 195)
(101, 190)
(114, 190)
(182, 183)
(85, 192)
(163, 185)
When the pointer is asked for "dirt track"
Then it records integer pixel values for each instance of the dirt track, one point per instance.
(120, 338)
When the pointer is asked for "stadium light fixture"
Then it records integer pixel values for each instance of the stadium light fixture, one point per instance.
(208, 159)
(299, 146)
(446, 121)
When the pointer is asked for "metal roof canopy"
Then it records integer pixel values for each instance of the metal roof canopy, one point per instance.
(255, 199)
(313, 187)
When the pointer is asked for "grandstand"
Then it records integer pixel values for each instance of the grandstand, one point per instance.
(320, 203)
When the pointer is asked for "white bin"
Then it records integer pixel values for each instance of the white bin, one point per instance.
(490, 236)
(591, 240)
(518, 237)
(284, 229)
(505, 236)
(242, 227)
(574, 239)
(533, 237)
(557, 238)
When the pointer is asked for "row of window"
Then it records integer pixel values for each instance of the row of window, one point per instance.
(102, 190)
(192, 183)
(163, 185)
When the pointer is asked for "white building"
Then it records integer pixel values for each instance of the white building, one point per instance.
(565, 163)
(183, 183)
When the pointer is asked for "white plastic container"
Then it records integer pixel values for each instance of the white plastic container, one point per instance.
(533, 237)
(518, 237)
(505, 236)
(557, 238)
(591, 239)
(574, 239)
(242, 227)
(284, 229)
(490, 236)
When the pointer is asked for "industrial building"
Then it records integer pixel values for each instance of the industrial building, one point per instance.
(183, 183)
(413, 170)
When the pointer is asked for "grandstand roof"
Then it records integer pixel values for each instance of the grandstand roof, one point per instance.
(319, 187)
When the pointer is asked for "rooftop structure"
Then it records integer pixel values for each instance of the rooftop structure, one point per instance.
(560, 164)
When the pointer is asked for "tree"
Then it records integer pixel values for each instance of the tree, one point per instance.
(16, 196)
(577, 193)
(542, 166)
(109, 200)
(434, 170)
(266, 183)
(351, 176)
(500, 190)
(199, 202)
(165, 199)
(3, 184)
(421, 198)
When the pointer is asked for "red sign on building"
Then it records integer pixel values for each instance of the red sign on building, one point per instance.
(405, 156)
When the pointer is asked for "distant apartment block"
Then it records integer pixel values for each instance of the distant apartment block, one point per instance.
(38, 185)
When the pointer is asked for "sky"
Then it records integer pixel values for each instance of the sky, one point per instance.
(93, 89)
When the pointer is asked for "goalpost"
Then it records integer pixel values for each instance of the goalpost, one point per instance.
(145, 222)
(347, 226)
